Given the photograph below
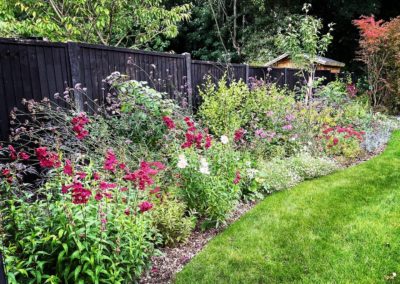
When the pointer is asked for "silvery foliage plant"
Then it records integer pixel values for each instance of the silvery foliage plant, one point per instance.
(378, 135)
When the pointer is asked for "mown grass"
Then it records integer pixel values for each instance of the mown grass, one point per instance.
(342, 228)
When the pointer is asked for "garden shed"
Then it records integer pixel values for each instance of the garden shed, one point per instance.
(323, 63)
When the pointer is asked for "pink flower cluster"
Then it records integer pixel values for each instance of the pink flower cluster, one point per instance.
(331, 133)
(143, 177)
(194, 137)
(239, 134)
(14, 155)
(47, 159)
(7, 174)
(169, 122)
(79, 123)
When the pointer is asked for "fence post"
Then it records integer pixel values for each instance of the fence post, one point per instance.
(285, 76)
(74, 59)
(3, 279)
(188, 60)
(247, 73)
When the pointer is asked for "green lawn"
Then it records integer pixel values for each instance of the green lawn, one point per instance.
(342, 228)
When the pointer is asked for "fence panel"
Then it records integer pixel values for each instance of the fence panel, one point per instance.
(201, 70)
(30, 71)
(37, 69)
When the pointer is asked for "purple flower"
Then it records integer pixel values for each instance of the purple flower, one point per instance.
(270, 113)
(287, 127)
(290, 117)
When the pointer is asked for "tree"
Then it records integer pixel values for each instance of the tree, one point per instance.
(374, 54)
(303, 41)
(131, 23)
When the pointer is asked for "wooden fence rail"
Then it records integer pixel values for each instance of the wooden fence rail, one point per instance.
(38, 69)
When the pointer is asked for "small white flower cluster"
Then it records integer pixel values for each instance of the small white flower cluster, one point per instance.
(204, 166)
(182, 163)
(224, 139)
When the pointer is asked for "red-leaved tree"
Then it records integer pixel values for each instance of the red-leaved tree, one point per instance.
(373, 36)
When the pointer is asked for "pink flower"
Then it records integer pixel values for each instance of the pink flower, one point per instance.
(96, 176)
(207, 145)
(290, 117)
(237, 178)
(287, 127)
(169, 122)
(142, 177)
(239, 134)
(81, 175)
(335, 141)
(13, 153)
(111, 161)
(127, 211)
(47, 159)
(23, 156)
(78, 123)
(80, 195)
(98, 196)
(5, 172)
(104, 185)
(65, 188)
(145, 206)
(68, 168)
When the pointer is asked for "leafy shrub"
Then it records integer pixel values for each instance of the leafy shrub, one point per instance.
(276, 175)
(222, 106)
(170, 221)
(342, 141)
(279, 174)
(308, 167)
(86, 225)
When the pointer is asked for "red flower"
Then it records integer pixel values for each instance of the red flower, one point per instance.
(80, 195)
(123, 189)
(199, 139)
(47, 159)
(239, 134)
(68, 168)
(65, 188)
(81, 175)
(13, 153)
(5, 172)
(335, 141)
(111, 161)
(98, 196)
(104, 185)
(96, 176)
(155, 190)
(23, 156)
(169, 122)
(127, 211)
(78, 123)
(207, 145)
(142, 177)
(145, 206)
(237, 178)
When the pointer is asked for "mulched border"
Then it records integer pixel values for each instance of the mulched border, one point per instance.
(173, 259)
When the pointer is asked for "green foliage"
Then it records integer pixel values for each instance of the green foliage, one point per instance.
(171, 223)
(207, 185)
(130, 23)
(222, 106)
(52, 240)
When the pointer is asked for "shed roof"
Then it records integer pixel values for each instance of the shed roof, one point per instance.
(319, 60)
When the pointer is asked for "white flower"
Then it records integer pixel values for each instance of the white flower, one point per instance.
(182, 163)
(224, 139)
(204, 167)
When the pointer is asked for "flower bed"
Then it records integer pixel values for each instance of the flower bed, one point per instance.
(91, 198)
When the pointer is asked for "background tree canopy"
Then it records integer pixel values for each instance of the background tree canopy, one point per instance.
(219, 30)
(258, 22)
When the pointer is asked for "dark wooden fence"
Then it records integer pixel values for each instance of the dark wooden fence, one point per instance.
(39, 69)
